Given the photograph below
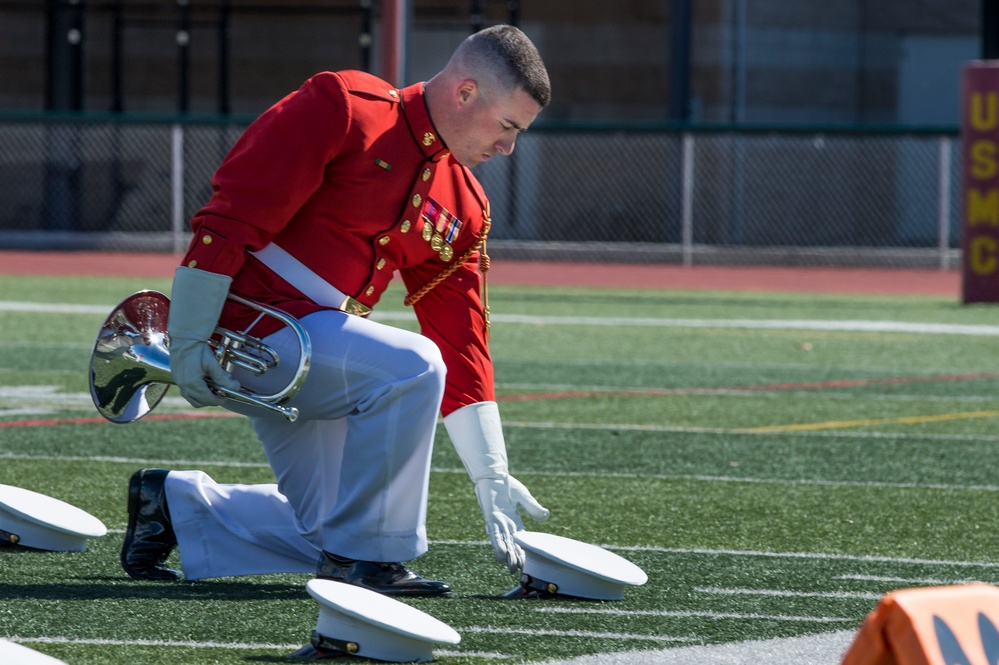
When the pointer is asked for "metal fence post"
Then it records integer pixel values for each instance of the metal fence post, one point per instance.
(687, 200)
(177, 186)
(943, 200)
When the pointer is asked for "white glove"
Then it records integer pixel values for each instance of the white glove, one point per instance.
(499, 499)
(477, 435)
(196, 303)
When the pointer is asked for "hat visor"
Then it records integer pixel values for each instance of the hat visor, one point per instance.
(525, 593)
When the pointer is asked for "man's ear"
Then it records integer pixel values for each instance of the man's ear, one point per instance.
(467, 90)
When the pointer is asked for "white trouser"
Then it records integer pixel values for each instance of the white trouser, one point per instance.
(352, 472)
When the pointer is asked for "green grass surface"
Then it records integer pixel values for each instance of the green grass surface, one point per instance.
(771, 480)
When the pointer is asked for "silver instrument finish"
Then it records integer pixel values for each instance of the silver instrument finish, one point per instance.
(130, 363)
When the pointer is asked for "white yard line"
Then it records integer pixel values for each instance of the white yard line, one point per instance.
(574, 633)
(192, 644)
(785, 593)
(820, 556)
(528, 319)
(788, 482)
(554, 609)
(823, 649)
(909, 581)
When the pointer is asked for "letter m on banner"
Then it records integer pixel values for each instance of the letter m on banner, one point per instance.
(980, 181)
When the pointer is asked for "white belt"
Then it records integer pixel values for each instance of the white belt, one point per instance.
(307, 281)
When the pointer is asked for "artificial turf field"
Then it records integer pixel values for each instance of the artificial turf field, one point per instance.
(774, 462)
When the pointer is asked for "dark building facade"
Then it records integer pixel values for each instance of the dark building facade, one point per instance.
(719, 61)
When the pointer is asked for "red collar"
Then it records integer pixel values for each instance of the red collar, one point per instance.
(414, 106)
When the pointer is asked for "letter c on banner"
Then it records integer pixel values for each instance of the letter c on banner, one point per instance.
(983, 255)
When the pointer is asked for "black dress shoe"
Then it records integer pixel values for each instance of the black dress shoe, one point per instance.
(391, 579)
(149, 538)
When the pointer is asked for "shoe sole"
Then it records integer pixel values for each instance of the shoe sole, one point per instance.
(134, 496)
(134, 492)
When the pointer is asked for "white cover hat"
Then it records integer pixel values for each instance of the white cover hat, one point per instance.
(364, 623)
(42, 522)
(12, 653)
(556, 565)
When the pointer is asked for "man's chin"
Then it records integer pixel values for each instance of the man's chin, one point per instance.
(472, 162)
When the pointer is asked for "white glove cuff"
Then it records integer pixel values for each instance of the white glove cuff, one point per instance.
(197, 299)
(477, 436)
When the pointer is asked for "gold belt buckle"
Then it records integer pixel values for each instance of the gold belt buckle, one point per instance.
(351, 306)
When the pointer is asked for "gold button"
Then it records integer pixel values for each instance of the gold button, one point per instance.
(428, 139)
(206, 240)
(405, 226)
(380, 264)
(417, 199)
(393, 93)
(368, 291)
(384, 240)
(426, 175)
(192, 264)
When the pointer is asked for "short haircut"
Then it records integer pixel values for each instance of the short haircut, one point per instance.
(507, 54)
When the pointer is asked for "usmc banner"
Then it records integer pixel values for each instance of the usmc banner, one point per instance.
(980, 181)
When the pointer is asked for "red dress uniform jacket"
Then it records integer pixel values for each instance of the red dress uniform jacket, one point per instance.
(348, 175)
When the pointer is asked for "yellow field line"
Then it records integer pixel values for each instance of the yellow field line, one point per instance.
(833, 424)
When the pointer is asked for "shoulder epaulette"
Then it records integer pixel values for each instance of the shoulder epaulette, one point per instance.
(368, 85)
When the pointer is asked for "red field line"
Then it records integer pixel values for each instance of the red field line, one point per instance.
(812, 385)
(97, 421)
(524, 397)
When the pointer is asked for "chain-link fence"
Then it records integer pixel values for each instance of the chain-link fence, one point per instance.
(720, 196)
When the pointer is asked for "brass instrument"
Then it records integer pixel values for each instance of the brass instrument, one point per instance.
(130, 363)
